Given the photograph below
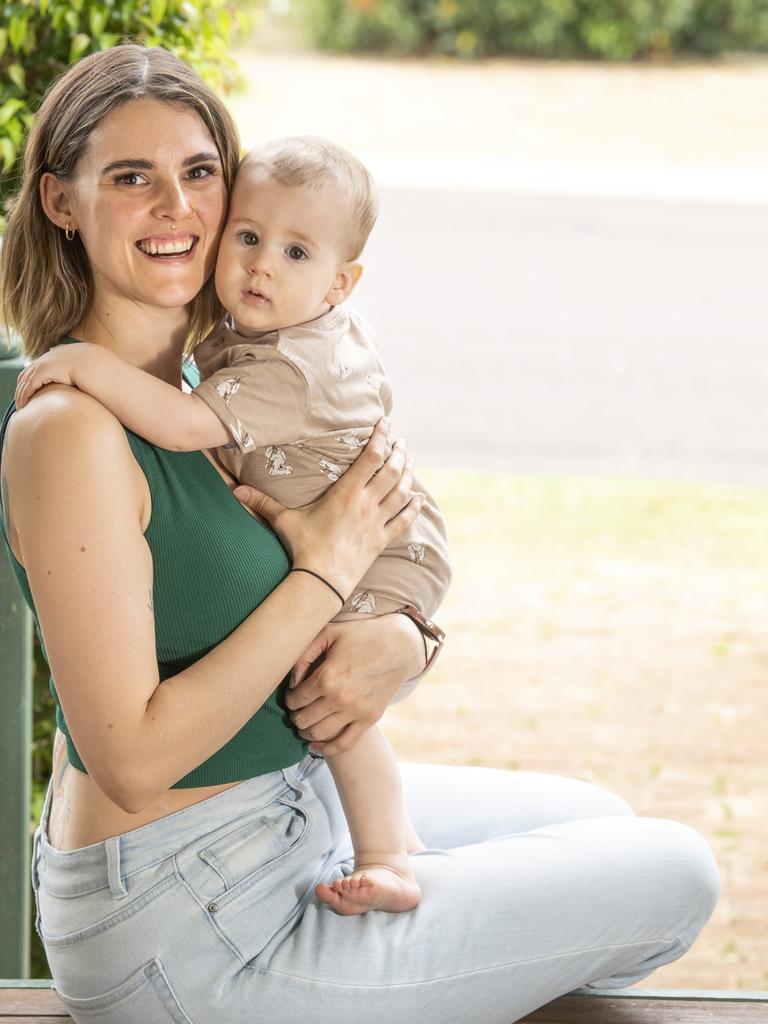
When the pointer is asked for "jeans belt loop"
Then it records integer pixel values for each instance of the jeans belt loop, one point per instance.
(293, 776)
(34, 873)
(37, 840)
(116, 887)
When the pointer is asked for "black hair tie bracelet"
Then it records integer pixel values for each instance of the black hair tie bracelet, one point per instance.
(322, 579)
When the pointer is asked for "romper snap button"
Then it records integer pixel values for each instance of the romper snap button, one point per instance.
(213, 907)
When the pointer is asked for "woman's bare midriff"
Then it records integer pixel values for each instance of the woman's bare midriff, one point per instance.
(82, 815)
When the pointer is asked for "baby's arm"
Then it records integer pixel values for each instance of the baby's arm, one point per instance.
(159, 412)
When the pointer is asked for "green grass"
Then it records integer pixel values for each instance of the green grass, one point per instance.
(547, 516)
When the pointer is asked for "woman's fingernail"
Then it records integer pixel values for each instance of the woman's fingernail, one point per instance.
(242, 493)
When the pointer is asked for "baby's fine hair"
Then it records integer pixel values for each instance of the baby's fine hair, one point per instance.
(321, 164)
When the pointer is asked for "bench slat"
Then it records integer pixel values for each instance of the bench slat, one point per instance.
(15, 1002)
(35, 1019)
(38, 1004)
(626, 1010)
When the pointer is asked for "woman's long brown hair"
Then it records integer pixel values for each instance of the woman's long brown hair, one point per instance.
(46, 285)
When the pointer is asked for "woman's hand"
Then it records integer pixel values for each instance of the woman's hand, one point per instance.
(348, 675)
(339, 535)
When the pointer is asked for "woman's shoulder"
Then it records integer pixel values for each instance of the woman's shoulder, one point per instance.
(66, 458)
(67, 434)
(66, 414)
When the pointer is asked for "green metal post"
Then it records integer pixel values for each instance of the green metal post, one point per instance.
(15, 746)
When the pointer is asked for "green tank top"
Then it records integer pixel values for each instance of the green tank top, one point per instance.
(212, 565)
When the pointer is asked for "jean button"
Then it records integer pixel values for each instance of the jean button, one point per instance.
(213, 907)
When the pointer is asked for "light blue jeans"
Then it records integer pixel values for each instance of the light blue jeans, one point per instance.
(533, 886)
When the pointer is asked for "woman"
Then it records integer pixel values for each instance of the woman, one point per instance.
(174, 879)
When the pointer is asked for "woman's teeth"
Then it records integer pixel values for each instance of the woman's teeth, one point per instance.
(154, 247)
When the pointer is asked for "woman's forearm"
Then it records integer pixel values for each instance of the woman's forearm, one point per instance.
(193, 714)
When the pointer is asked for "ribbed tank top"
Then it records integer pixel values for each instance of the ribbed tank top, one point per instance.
(213, 563)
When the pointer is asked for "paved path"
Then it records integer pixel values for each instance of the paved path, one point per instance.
(575, 334)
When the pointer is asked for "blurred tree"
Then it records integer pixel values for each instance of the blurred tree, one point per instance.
(40, 38)
(604, 29)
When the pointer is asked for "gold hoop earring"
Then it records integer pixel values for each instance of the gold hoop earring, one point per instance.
(69, 232)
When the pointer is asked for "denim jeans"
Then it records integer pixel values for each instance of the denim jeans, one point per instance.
(533, 885)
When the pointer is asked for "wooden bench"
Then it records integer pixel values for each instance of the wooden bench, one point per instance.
(35, 1002)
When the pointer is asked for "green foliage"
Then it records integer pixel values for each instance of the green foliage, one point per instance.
(40, 38)
(605, 29)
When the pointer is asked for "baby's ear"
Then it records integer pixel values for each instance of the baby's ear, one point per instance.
(346, 278)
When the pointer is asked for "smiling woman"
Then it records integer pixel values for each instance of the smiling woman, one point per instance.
(100, 191)
(143, 215)
(198, 170)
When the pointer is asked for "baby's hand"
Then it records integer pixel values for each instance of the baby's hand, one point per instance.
(55, 367)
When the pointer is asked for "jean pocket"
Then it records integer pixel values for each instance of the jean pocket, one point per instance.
(145, 998)
(68, 921)
(253, 847)
(238, 877)
(240, 855)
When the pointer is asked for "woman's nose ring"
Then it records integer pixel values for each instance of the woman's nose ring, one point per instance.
(192, 213)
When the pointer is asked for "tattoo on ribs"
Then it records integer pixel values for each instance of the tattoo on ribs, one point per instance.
(151, 605)
(60, 807)
(6, 507)
(63, 766)
(60, 757)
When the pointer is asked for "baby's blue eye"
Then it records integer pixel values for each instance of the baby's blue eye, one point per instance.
(248, 238)
(297, 253)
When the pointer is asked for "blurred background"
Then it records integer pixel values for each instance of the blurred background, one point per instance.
(565, 278)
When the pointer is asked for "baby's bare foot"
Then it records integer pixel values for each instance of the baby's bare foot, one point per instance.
(372, 888)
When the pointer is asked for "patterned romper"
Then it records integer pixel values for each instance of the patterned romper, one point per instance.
(299, 403)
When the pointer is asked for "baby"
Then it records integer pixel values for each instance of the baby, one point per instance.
(291, 389)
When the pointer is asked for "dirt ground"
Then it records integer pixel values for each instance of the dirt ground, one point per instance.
(693, 114)
(616, 632)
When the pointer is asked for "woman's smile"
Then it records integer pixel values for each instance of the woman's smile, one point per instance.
(168, 247)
